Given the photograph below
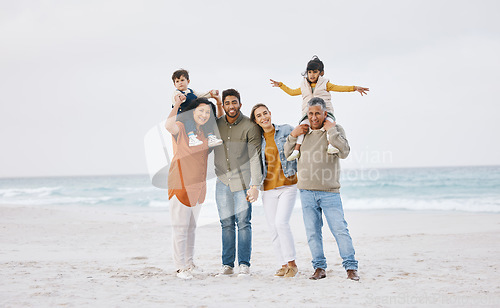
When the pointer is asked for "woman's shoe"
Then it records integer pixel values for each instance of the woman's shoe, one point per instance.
(184, 274)
(281, 272)
(291, 271)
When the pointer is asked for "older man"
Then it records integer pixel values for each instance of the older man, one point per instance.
(318, 181)
(239, 176)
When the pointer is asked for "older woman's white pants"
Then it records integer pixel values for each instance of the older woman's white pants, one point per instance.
(183, 220)
(278, 207)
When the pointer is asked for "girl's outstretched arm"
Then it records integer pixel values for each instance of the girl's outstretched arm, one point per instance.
(361, 90)
(282, 86)
(275, 83)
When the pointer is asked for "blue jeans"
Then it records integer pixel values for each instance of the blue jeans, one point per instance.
(234, 210)
(314, 203)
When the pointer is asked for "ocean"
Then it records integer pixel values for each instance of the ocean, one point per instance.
(470, 189)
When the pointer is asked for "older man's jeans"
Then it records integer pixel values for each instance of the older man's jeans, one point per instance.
(234, 210)
(314, 203)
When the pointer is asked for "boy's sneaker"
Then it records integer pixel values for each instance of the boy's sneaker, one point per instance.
(184, 274)
(332, 150)
(226, 271)
(244, 270)
(295, 154)
(213, 141)
(193, 141)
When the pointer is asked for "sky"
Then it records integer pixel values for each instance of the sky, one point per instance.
(81, 82)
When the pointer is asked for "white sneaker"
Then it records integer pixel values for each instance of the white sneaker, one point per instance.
(213, 141)
(195, 269)
(225, 271)
(332, 150)
(184, 274)
(295, 154)
(193, 141)
(244, 270)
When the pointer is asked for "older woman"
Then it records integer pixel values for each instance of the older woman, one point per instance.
(280, 189)
(187, 180)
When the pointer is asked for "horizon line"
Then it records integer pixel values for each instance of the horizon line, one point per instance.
(146, 174)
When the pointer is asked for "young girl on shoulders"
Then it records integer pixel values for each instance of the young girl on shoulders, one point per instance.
(315, 85)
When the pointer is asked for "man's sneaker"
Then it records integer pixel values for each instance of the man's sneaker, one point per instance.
(295, 154)
(213, 141)
(331, 149)
(244, 270)
(184, 274)
(226, 271)
(193, 141)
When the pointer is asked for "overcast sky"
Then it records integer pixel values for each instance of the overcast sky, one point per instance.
(81, 82)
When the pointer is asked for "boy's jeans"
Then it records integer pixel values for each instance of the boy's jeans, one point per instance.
(234, 210)
(314, 203)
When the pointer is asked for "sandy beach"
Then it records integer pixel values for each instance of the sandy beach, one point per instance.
(119, 257)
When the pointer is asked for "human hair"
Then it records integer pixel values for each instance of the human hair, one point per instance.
(317, 101)
(252, 113)
(188, 112)
(179, 73)
(314, 64)
(230, 92)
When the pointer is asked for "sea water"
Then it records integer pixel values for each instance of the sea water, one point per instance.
(472, 189)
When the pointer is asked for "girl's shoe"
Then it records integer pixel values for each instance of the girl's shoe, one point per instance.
(295, 154)
(331, 149)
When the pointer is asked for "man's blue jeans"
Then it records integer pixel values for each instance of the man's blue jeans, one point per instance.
(314, 203)
(234, 210)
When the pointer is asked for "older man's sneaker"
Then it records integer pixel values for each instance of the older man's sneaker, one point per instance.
(244, 270)
(319, 273)
(353, 275)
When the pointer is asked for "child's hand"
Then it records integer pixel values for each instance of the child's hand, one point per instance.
(361, 90)
(275, 83)
(179, 98)
(302, 129)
